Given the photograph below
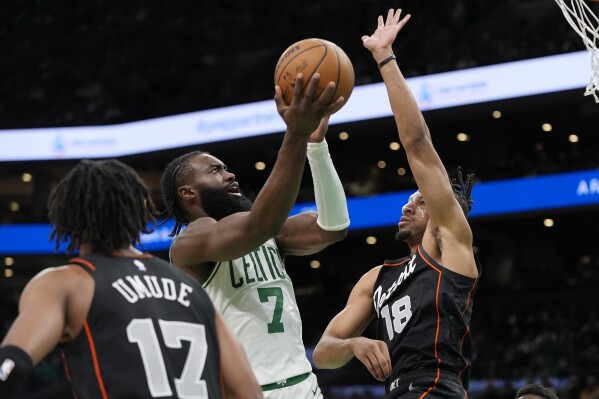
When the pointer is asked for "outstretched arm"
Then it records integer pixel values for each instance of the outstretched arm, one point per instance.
(341, 340)
(209, 240)
(445, 213)
(43, 322)
(310, 232)
(238, 378)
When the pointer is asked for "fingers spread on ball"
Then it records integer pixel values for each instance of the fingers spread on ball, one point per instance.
(312, 86)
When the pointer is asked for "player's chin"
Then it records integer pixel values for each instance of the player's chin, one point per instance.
(403, 235)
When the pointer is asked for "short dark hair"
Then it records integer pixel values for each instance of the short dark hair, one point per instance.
(463, 190)
(102, 203)
(172, 178)
(536, 389)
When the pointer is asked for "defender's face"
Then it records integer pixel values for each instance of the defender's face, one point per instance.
(414, 218)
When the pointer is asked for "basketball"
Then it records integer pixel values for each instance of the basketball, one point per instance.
(309, 56)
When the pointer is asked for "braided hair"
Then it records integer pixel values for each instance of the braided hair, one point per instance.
(537, 390)
(463, 190)
(172, 178)
(102, 203)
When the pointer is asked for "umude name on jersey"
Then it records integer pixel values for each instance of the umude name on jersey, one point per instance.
(134, 288)
(378, 298)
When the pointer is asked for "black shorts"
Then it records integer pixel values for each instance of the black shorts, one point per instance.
(415, 384)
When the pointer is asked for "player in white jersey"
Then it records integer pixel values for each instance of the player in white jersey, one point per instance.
(236, 248)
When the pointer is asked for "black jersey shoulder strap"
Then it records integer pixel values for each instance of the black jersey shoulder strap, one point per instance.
(84, 263)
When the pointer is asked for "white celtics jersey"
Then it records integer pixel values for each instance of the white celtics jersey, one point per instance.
(255, 296)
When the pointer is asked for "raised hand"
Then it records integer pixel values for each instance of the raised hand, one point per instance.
(306, 111)
(386, 31)
(374, 355)
(320, 131)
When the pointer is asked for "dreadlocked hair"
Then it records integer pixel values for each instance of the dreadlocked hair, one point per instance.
(102, 203)
(173, 178)
(537, 390)
(463, 190)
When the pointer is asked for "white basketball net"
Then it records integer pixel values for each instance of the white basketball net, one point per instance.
(582, 19)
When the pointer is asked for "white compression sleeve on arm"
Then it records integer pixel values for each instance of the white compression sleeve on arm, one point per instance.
(328, 191)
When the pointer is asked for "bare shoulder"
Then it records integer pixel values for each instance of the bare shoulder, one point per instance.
(60, 276)
(366, 283)
(58, 283)
(188, 262)
(184, 248)
(373, 273)
(198, 226)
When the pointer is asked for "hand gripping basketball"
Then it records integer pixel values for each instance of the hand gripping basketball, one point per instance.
(310, 56)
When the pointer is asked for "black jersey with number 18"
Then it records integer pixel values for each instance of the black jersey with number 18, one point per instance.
(423, 314)
(150, 333)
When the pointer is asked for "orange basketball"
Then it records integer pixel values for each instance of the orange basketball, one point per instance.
(309, 56)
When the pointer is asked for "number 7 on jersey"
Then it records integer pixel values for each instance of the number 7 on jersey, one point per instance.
(275, 326)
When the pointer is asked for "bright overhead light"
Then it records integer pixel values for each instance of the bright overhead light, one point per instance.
(546, 127)
(381, 164)
(496, 114)
(463, 137)
(343, 136)
(260, 165)
(8, 261)
(394, 145)
(573, 138)
(370, 240)
(548, 222)
(14, 206)
(8, 273)
(314, 264)
(401, 171)
(26, 177)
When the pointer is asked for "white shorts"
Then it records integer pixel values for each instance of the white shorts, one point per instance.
(307, 389)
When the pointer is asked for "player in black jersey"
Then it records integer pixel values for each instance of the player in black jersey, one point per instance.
(129, 325)
(422, 303)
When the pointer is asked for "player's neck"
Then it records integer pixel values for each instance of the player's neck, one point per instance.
(414, 248)
(195, 213)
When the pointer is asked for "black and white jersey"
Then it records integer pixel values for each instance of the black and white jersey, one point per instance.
(150, 333)
(423, 314)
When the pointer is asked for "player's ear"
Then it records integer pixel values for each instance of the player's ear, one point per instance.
(187, 192)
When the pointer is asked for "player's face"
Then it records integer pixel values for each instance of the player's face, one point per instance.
(413, 220)
(217, 188)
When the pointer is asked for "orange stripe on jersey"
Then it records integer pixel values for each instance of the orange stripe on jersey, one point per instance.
(84, 262)
(92, 348)
(65, 364)
(438, 322)
(435, 383)
(461, 346)
(464, 337)
(396, 264)
(469, 295)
